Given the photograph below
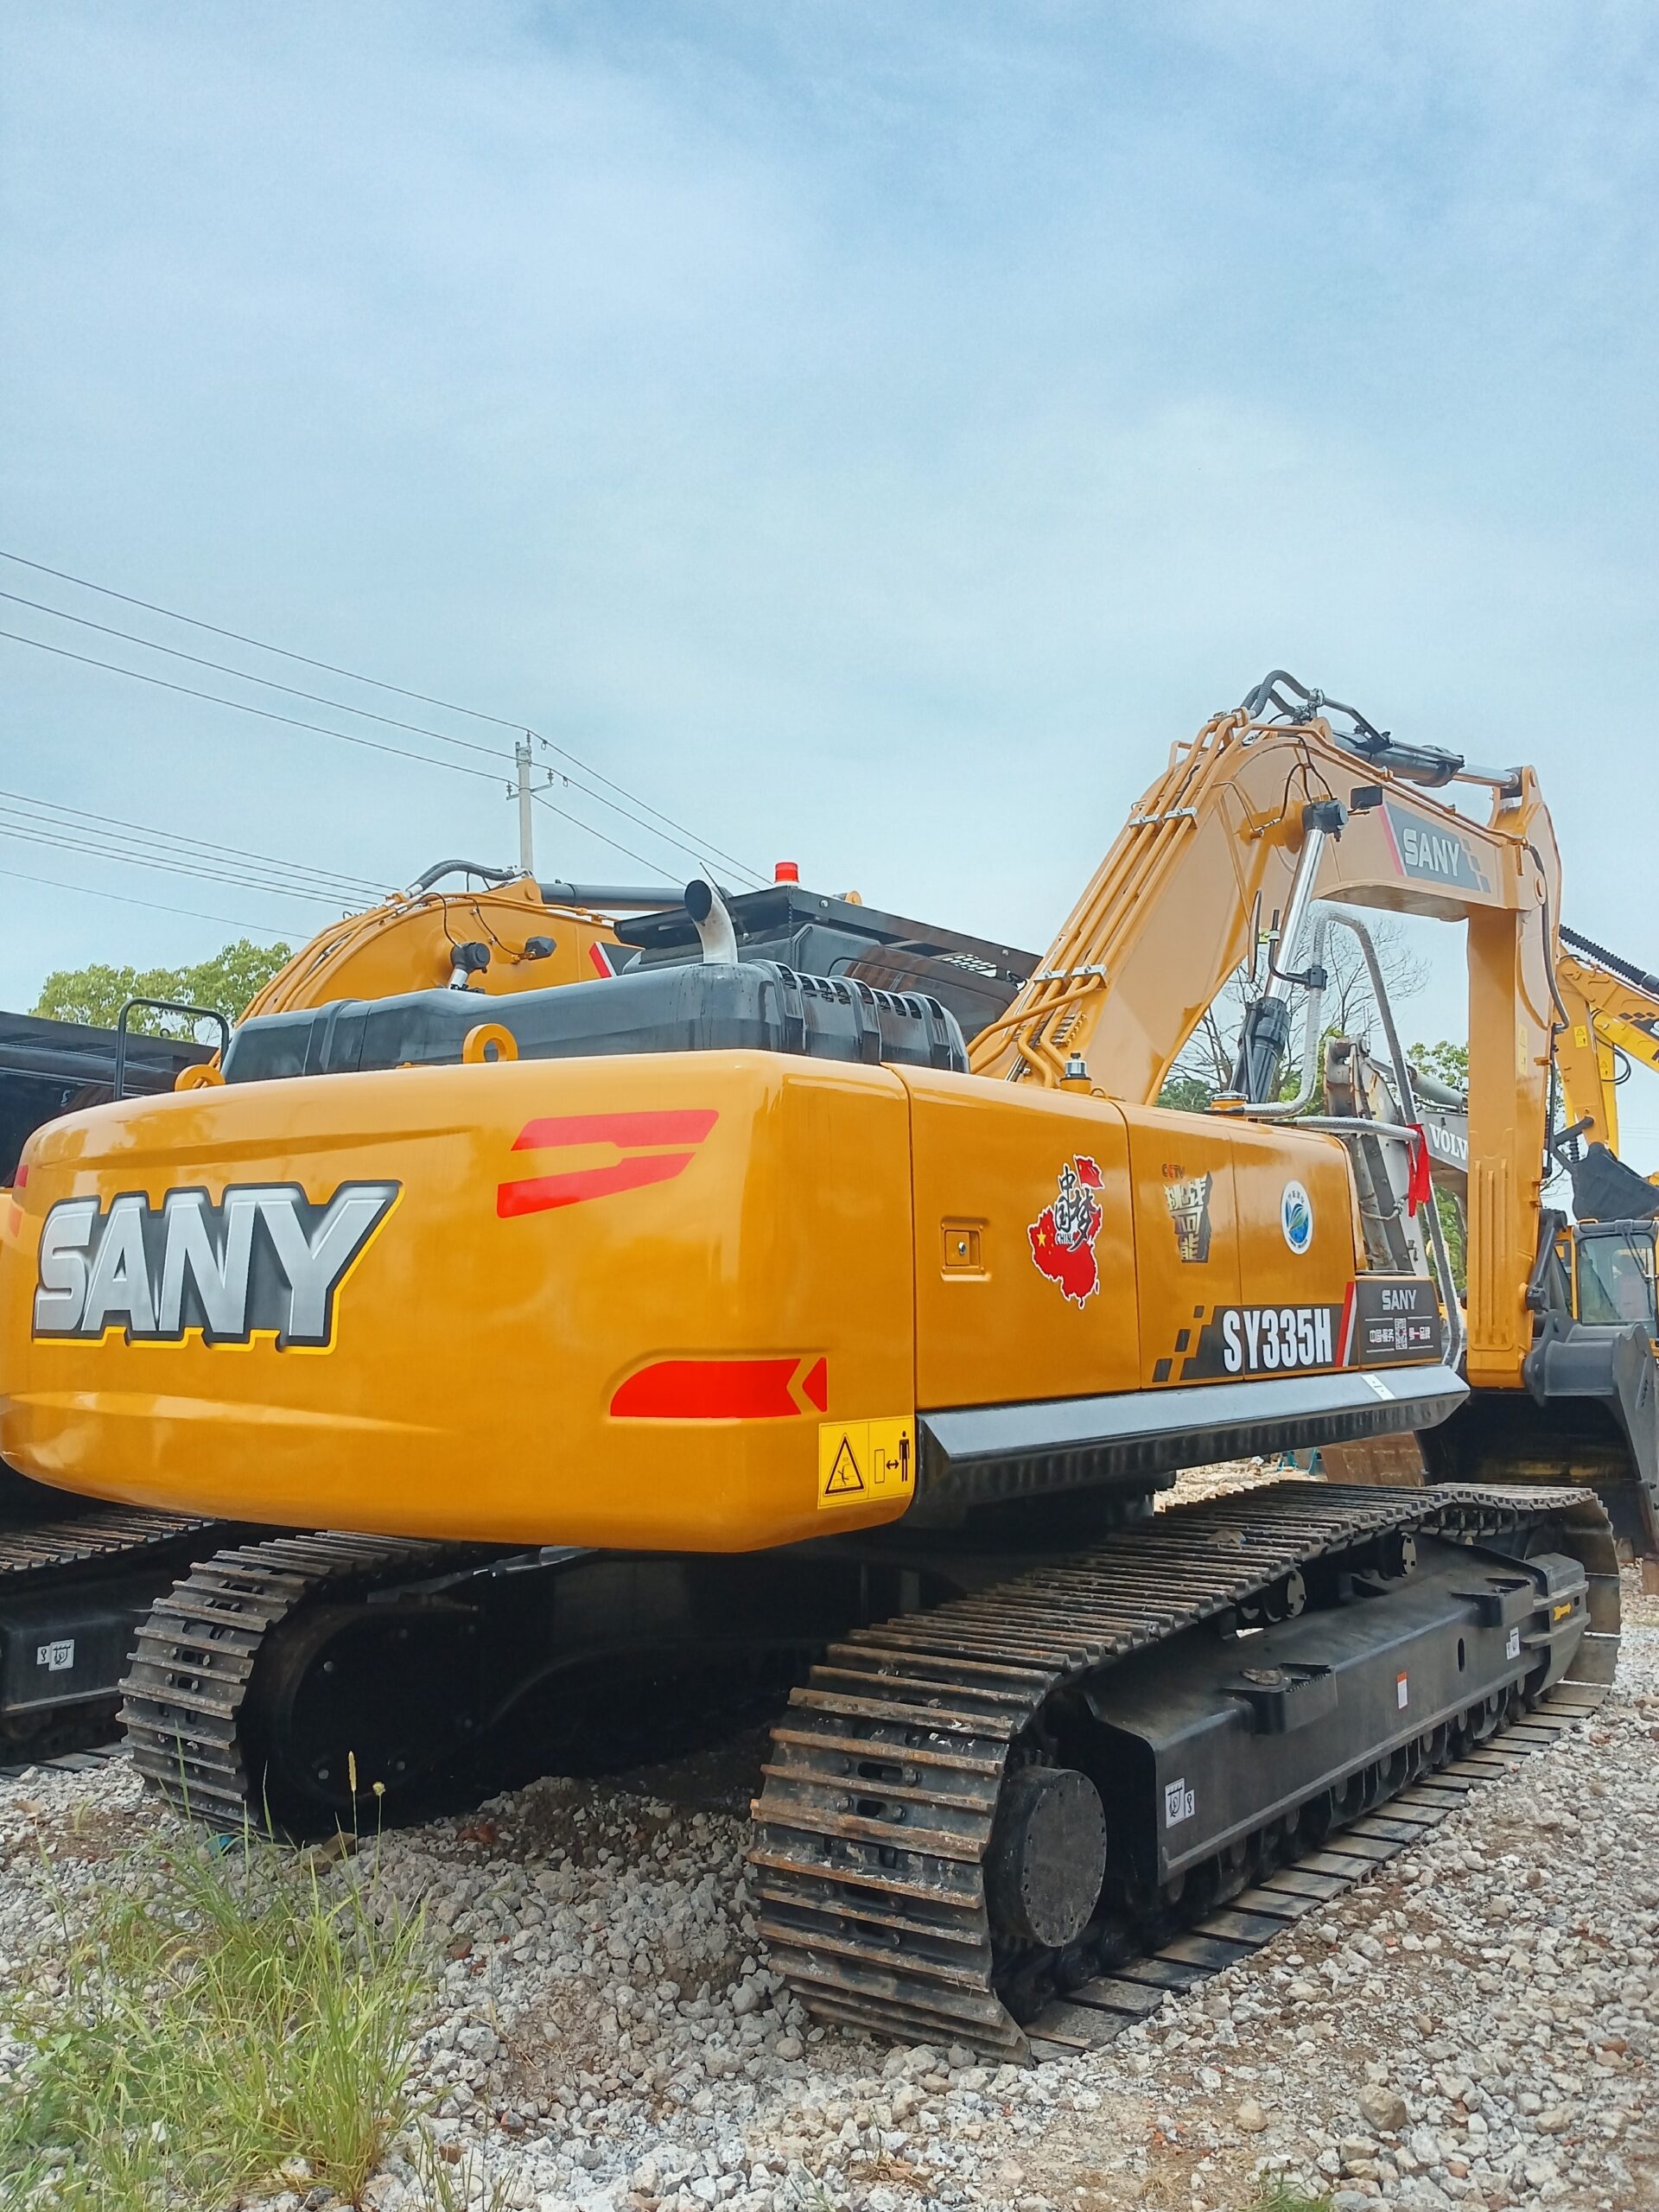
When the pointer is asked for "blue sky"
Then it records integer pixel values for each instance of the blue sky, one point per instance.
(874, 435)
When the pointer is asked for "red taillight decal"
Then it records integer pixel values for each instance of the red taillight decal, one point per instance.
(629, 1133)
(671, 1125)
(541, 1193)
(20, 1180)
(711, 1389)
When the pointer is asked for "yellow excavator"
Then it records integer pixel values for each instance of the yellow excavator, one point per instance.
(1612, 1026)
(712, 1314)
(76, 1580)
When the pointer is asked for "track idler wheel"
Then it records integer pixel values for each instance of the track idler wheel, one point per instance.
(1048, 1856)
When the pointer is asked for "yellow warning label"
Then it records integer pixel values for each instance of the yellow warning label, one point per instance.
(865, 1462)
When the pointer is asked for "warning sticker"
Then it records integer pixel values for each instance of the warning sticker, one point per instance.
(865, 1462)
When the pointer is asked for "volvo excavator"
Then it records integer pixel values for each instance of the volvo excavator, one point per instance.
(724, 1312)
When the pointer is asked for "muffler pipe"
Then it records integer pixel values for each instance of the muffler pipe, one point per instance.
(708, 910)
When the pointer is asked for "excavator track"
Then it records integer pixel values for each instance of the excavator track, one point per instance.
(57, 1595)
(183, 1699)
(877, 1828)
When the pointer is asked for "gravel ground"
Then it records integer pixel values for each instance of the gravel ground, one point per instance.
(1473, 2025)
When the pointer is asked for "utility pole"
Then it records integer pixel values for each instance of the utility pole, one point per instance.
(526, 827)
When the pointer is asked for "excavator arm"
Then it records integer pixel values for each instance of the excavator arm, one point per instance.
(1612, 1009)
(1249, 823)
(1270, 808)
(496, 931)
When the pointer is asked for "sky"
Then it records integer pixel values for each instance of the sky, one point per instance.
(871, 436)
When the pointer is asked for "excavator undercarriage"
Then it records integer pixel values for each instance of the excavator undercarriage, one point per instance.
(1004, 1777)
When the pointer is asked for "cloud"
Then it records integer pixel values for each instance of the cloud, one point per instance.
(875, 437)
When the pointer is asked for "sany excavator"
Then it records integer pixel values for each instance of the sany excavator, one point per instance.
(715, 1314)
(76, 1581)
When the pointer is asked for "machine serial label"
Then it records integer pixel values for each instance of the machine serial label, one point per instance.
(1263, 1340)
(1393, 1321)
(1181, 1804)
(264, 1259)
(57, 1658)
(865, 1462)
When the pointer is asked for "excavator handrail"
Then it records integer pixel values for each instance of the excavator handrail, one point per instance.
(119, 1081)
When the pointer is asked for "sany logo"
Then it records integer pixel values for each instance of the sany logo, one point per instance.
(1430, 853)
(655, 1147)
(264, 1259)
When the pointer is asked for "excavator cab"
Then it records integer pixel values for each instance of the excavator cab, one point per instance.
(1613, 1273)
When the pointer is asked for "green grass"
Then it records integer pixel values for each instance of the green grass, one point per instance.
(219, 2016)
(1277, 2194)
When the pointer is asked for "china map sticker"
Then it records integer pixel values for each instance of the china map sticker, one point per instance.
(1063, 1235)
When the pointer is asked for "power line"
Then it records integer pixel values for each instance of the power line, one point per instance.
(56, 883)
(697, 850)
(333, 879)
(698, 847)
(265, 714)
(345, 707)
(32, 832)
(327, 666)
(225, 668)
(545, 802)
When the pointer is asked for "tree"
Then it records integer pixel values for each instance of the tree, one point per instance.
(98, 992)
(1347, 1009)
(1448, 1061)
(1187, 1093)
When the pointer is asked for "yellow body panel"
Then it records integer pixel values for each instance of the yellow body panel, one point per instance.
(637, 1302)
(986, 1167)
(468, 1386)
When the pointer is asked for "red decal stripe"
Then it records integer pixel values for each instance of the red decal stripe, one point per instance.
(541, 1193)
(816, 1386)
(710, 1389)
(681, 1125)
(1346, 1351)
(601, 959)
